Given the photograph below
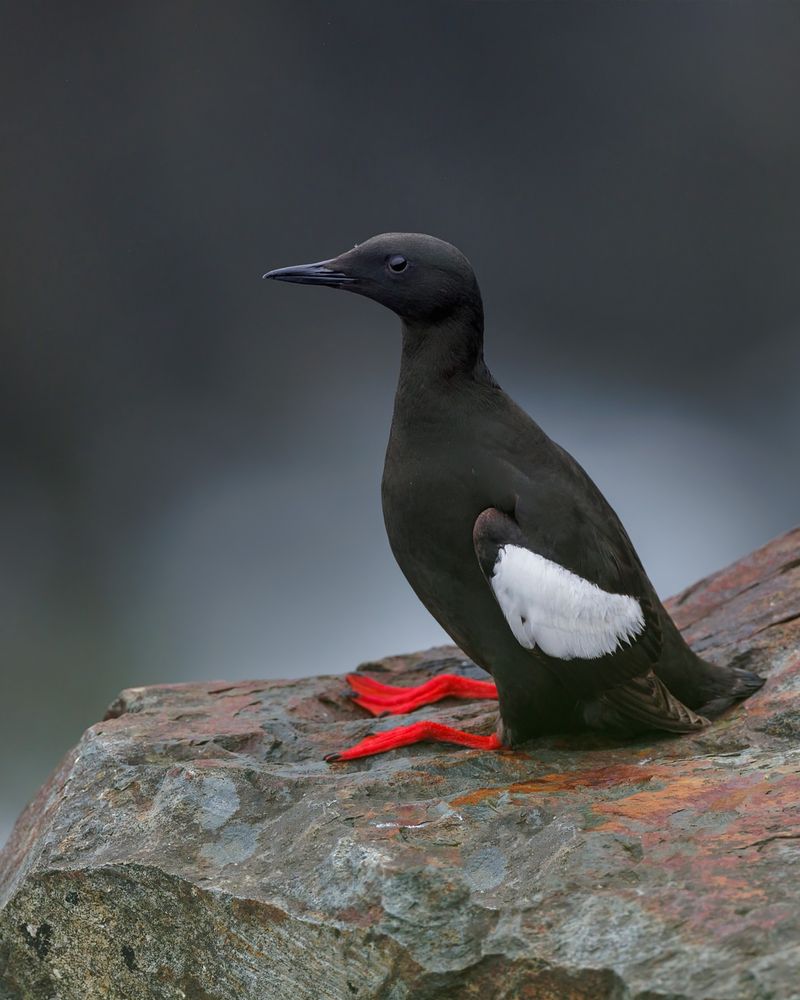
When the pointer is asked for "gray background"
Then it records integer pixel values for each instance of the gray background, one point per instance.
(191, 457)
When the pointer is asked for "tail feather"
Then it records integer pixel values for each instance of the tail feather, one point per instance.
(739, 684)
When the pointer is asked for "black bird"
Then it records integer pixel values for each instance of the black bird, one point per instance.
(504, 537)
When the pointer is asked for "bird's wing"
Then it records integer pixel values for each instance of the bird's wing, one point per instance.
(600, 631)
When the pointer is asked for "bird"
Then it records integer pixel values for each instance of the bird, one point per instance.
(505, 538)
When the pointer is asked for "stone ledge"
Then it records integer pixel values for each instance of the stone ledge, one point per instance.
(194, 844)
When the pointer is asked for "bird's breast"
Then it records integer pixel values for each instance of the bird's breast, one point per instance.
(431, 505)
(429, 510)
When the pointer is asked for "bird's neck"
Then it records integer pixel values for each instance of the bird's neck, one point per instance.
(442, 373)
(451, 349)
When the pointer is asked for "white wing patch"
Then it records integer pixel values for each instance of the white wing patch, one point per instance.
(564, 615)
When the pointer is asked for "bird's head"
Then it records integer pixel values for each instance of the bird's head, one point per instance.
(421, 278)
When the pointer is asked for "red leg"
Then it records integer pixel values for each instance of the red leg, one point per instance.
(387, 699)
(416, 733)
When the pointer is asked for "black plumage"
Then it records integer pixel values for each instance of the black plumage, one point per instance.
(470, 478)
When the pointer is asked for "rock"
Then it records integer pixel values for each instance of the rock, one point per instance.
(194, 844)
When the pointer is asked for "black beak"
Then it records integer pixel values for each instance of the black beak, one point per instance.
(323, 273)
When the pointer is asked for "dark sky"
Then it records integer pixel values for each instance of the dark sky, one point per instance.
(191, 457)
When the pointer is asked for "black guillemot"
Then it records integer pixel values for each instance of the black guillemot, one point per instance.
(505, 539)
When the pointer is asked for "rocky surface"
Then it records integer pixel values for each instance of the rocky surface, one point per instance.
(194, 844)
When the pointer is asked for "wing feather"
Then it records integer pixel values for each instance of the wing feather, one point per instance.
(563, 614)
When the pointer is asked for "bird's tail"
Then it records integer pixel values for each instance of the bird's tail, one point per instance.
(727, 685)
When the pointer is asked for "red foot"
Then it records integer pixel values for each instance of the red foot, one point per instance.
(387, 699)
(416, 733)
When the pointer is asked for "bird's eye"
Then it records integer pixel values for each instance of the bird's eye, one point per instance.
(397, 263)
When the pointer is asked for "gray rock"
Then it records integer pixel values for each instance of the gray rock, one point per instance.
(195, 845)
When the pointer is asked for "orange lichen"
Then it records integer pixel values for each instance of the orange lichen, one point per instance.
(600, 777)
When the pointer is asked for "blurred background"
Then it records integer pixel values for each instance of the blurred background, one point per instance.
(191, 457)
